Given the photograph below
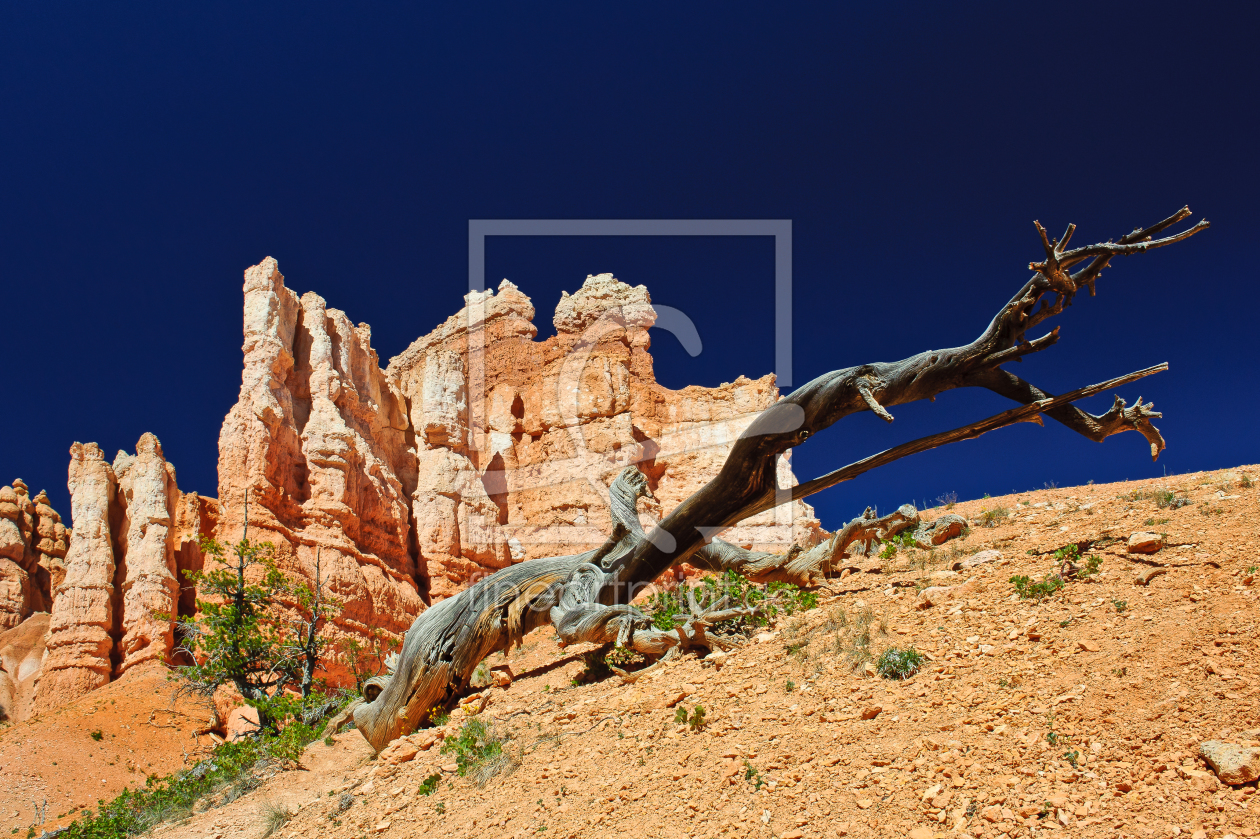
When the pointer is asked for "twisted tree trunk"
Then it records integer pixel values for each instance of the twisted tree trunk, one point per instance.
(587, 597)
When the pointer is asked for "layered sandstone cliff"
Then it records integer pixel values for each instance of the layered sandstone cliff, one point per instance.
(134, 535)
(477, 447)
(33, 544)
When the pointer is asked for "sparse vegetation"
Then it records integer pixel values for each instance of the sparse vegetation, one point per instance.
(97, 735)
(1120, 605)
(274, 817)
(1038, 590)
(695, 720)
(430, 784)
(752, 776)
(993, 517)
(896, 663)
(1165, 499)
(670, 609)
(1246, 482)
(622, 657)
(233, 769)
(948, 499)
(851, 641)
(1093, 564)
(902, 541)
(1068, 570)
(479, 752)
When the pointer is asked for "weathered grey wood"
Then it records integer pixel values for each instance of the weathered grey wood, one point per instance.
(586, 597)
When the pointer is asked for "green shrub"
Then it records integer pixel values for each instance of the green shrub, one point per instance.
(97, 735)
(430, 784)
(670, 609)
(479, 752)
(1093, 564)
(903, 540)
(1040, 590)
(899, 664)
(695, 720)
(752, 776)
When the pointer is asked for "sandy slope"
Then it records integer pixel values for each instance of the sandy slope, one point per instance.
(55, 758)
(964, 748)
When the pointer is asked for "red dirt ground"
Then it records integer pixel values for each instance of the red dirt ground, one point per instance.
(1080, 715)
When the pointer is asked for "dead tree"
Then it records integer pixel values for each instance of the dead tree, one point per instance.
(587, 597)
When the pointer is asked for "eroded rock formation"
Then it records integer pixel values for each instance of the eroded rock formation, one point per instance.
(21, 654)
(317, 448)
(33, 544)
(79, 633)
(134, 535)
(477, 447)
(518, 440)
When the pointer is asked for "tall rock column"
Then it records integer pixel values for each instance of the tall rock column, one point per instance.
(319, 448)
(81, 630)
(150, 590)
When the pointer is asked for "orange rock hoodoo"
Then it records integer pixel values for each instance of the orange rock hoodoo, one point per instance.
(475, 448)
(134, 534)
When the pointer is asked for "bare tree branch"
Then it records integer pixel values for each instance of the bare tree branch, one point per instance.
(588, 597)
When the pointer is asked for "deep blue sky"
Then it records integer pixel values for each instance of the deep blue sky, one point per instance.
(150, 152)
